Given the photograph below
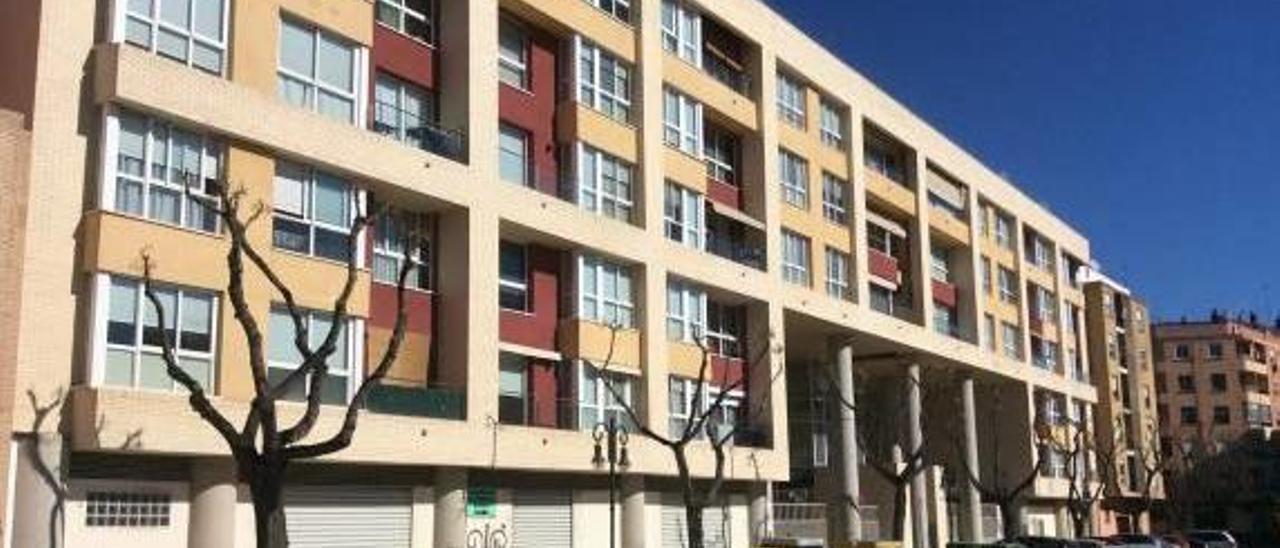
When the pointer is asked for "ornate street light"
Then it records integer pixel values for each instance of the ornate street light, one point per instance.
(614, 452)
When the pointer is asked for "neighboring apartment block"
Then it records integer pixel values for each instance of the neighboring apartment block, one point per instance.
(596, 178)
(1126, 422)
(1216, 380)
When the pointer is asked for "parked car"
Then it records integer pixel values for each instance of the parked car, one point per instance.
(1210, 539)
(1135, 540)
(1176, 540)
(1054, 542)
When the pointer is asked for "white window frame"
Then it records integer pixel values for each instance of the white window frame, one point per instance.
(526, 167)
(1046, 304)
(718, 168)
(523, 284)
(682, 31)
(403, 14)
(592, 89)
(734, 399)
(624, 309)
(1011, 340)
(101, 345)
(592, 192)
(832, 126)
(1007, 283)
(355, 207)
(792, 100)
(939, 266)
(519, 66)
(404, 90)
(595, 396)
(599, 4)
(835, 198)
(1004, 231)
(211, 169)
(122, 16)
(682, 127)
(943, 318)
(353, 332)
(722, 339)
(359, 71)
(691, 317)
(988, 284)
(989, 332)
(385, 249)
(684, 216)
(838, 264)
(796, 269)
(793, 173)
(1040, 254)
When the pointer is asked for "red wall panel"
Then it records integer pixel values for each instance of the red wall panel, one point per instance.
(419, 305)
(544, 386)
(406, 58)
(534, 109)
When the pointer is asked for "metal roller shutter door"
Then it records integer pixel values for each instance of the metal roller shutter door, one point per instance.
(542, 519)
(349, 517)
(715, 526)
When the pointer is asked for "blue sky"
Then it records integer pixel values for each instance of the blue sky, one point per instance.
(1151, 126)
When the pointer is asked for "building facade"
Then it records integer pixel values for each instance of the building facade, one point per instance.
(1127, 426)
(598, 179)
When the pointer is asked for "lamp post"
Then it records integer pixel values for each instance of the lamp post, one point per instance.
(614, 453)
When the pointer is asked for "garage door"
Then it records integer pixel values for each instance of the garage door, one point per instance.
(349, 517)
(715, 526)
(542, 519)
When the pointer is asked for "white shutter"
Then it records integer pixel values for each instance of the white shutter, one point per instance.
(542, 519)
(715, 525)
(349, 517)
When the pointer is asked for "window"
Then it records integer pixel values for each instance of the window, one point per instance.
(684, 216)
(835, 198)
(1069, 321)
(409, 17)
(682, 407)
(403, 111)
(1039, 253)
(793, 171)
(881, 298)
(682, 122)
(283, 356)
(134, 344)
(686, 312)
(986, 275)
(619, 9)
(832, 128)
(390, 235)
(513, 276)
(1011, 339)
(513, 155)
(604, 81)
(795, 258)
(1045, 304)
(720, 150)
(604, 183)
(606, 294)
(1189, 415)
(1221, 415)
(680, 393)
(1004, 231)
(1182, 352)
(881, 158)
(1218, 381)
(1044, 354)
(162, 172)
(126, 509)
(512, 388)
(838, 274)
(318, 71)
(597, 404)
(313, 212)
(682, 31)
(1215, 351)
(1008, 286)
(190, 31)
(940, 264)
(944, 320)
(1186, 384)
(513, 55)
(791, 100)
(725, 329)
(989, 331)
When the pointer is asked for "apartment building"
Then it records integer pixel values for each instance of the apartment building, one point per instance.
(1215, 380)
(598, 178)
(1126, 421)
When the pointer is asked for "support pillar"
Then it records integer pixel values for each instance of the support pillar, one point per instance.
(633, 518)
(971, 507)
(213, 503)
(450, 508)
(848, 445)
(915, 439)
(761, 524)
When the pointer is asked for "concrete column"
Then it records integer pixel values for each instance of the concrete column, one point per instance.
(915, 439)
(848, 445)
(761, 524)
(633, 514)
(450, 508)
(971, 506)
(213, 503)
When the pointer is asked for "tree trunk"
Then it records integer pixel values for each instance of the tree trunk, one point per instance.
(266, 486)
(1078, 520)
(899, 510)
(1010, 518)
(693, 525)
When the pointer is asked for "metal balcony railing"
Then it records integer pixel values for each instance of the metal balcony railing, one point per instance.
(726, 74)
(411, 128)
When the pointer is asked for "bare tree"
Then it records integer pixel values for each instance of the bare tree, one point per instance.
(1083, 490)
(1007, 495)
(262, 447)
(708, 421)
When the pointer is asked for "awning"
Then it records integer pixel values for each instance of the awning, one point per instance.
(735, 214)
(892, 226)
(529, 351)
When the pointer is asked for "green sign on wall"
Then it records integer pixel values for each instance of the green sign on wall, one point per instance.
(482, 502)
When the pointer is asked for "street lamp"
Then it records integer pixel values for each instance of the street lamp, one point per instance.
(616, 456)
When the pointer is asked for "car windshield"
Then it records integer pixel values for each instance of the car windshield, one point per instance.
(1206, 535)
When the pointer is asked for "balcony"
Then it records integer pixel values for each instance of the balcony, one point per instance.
(734, 235)
(414, 131)
(707, 89)
(723, 192)
(726, 72)
(890, 193)
(883, 266)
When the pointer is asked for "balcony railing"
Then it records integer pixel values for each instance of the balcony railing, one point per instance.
(435, 402)
(410, 128)
(726, 74)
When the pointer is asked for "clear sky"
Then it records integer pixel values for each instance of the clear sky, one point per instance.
(1151, 126)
